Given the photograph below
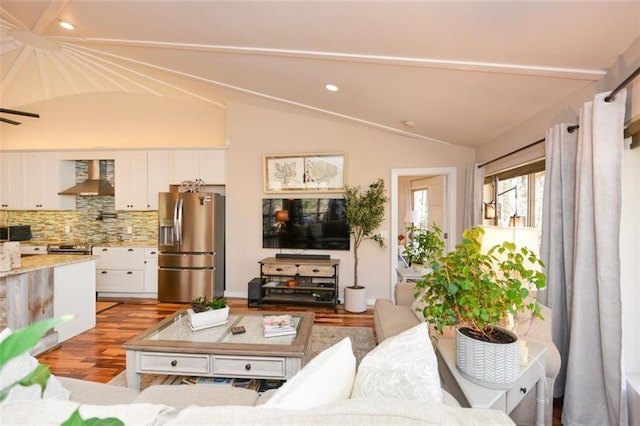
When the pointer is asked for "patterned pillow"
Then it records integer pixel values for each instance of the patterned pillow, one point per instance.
(403, 367)
(418, 305)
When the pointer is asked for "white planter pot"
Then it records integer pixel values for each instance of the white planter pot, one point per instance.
(207, 319)
(492, 365)
(355, 299)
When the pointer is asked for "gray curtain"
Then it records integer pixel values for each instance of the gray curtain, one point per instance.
(580, 247)
(473, 196)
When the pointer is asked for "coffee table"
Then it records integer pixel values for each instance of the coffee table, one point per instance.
(172, 348)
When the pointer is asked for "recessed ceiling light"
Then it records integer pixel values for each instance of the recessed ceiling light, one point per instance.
(67, 25)
(331, 87)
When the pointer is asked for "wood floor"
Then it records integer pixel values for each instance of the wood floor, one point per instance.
(97, 355)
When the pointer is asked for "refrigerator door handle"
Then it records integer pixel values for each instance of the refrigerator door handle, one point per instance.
(177, 221)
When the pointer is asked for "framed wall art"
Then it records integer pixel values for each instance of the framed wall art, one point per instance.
(304, 173)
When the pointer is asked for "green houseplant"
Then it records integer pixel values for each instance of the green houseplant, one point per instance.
(205, 312)
(425, 246)
(20, 342)
(475, 291)
(364, 212)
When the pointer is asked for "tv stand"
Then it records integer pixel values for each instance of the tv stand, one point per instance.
(316, 281)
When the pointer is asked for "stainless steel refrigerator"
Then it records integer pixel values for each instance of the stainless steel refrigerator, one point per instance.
(190, 245)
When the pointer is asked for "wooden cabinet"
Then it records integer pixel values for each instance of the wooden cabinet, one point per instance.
(207, 165)
(119, 269)
(315, 281)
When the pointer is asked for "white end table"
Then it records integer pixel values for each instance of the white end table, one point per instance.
(409, 274)
(472, 395)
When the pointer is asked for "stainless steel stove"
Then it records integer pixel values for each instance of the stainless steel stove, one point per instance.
(69, 248)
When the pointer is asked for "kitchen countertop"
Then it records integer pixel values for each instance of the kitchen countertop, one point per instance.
(42, 261)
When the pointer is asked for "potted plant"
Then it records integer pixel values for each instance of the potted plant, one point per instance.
(425, 246)
(205, 313)
(364, 212)
(476, 292)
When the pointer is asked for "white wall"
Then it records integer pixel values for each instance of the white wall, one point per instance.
(370, 154)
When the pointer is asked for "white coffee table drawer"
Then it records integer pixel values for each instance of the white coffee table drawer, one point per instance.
(174, 363)
(248, 366)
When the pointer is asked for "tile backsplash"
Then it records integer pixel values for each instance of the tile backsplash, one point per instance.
(95, 219)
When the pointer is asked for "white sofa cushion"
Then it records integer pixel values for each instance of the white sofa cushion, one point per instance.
(362, 411)
(325, 379)
(54, 412)
(17, 368)
(403, 366)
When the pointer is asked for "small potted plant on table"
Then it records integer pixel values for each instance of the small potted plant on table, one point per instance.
(424, 247)
(205, 313)
(475, 291)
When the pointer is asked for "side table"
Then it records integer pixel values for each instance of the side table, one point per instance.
(472, 395)
(409, 274)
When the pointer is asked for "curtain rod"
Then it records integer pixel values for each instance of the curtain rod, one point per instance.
(570, 129)
(609, 98)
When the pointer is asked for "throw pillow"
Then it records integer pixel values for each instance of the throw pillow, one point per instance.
(403, 367)
(325, 379)
(19, 367)
(418, 305)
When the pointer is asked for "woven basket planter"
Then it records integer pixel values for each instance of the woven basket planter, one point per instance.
(492, 365)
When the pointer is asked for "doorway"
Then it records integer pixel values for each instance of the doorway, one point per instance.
(445, 217)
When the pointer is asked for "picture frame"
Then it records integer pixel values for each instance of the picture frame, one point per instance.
(315, 172)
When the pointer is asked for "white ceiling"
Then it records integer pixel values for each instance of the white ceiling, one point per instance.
(463, 72)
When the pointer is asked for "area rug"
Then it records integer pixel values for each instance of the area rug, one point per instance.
(103, 306)
(322, 337)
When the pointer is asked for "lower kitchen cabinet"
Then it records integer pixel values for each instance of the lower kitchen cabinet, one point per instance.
(126, 271)
(150, 270)
(74, 292)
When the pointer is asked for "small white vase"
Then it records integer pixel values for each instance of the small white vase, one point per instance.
(210, 318)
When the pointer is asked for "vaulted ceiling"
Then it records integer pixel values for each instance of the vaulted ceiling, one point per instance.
(458, 72)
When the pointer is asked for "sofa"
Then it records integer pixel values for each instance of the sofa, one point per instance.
(393, 318)
(396, 383)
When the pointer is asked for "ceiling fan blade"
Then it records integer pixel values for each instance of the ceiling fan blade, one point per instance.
(13, 111)
(6, 120)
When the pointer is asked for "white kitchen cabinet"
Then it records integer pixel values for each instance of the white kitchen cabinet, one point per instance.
(44, 175)
(208, 165)
(119, 269)
(74, 292)
(11, 181)
(150, 270)
(130, 169)
(157, 176)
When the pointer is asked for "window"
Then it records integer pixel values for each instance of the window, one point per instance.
(420, 203)
(526, 183)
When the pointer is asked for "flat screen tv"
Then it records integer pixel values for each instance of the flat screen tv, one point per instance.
(304, 224)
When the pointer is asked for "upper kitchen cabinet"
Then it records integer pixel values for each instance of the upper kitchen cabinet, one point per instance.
(38, 177)
(11, 182)
(207, 165)
(44, 176)
(130, 174)
(157, 176)
(139, 177)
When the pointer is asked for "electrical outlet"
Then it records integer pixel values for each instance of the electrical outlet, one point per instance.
(129, 230)
(67, 229)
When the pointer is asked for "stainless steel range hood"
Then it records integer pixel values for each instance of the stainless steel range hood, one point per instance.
(95, 184)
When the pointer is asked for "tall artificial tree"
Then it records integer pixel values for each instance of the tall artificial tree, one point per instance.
(364, 214)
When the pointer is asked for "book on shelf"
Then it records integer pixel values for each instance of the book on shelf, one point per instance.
(278, 325)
